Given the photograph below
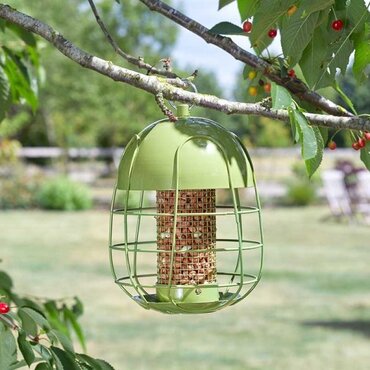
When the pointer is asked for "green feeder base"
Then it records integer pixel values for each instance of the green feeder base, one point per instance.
(186, 299)
(187, 294)
(188, 304)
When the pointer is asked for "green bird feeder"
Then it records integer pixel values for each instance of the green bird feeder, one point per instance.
(181, 238)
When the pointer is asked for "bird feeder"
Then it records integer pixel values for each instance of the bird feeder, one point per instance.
(176, 245)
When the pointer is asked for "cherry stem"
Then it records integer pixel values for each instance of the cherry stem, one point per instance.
(353, 135)
(335, 133)
(9, 322)
(335, 14)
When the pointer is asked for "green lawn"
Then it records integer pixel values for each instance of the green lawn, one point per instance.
(310, 311)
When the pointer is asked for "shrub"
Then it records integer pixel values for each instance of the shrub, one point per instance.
(301, 190)
(301, 194)
(63, 194)
(18, 190)
(8, 151)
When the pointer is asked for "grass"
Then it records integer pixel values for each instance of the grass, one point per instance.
(310, 311)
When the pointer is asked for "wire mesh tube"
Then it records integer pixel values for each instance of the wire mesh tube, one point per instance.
(194, 258)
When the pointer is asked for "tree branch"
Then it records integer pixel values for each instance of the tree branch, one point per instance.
(139, 62)
(166, 87)
(294, 85)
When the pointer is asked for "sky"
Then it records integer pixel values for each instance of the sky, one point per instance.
(193, 51)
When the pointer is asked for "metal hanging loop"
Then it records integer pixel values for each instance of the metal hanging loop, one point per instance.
(195, 90)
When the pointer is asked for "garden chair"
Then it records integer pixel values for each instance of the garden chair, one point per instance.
(362, 205)
(336, 194)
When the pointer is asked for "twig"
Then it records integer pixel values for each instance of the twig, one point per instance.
(155, 85)
(296, 87)
(139, 62)
(161, 104)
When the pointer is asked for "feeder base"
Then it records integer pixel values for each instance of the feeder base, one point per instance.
(151, 301)
(187, 294)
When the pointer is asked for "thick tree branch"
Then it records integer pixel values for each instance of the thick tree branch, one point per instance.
(294, 85)
(166, 87)
(139, 62)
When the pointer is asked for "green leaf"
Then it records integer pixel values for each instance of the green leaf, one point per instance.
(30, 303)
(64, 341)
(345, 98)
(339, 51)
(5, 281)
(89, 361)
(365, 155)
(293, 126)
(247, 8)
(362, 53)
(66, 358)
(307, 135)
(314, 163)
(43, 352)
(71, 318)
(4, 100)
(8, 348)
(314, 60)
(25, 348)
(265, 18)
(58, 364)
(18, 365)
(358, 14)
(323, 18)
(24, 35)
(247, 68)
(223, 3)
(227, 28)
(37, 317)
(43, 366)
(340, 4)
(280, 96)
(341, 56)
(54, 317)
(34, 58)
(296, 34)
(324, 134)
(96, 364)
(78, 307)
(104, 365)
(316, 5)
(28, 324)
(19, 80)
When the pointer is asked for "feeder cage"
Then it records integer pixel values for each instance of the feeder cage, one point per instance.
(175, 245)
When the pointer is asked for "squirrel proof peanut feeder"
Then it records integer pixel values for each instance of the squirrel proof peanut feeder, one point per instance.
(175, 245)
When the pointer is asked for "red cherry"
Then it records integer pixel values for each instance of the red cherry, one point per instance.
(337, 25)
(247, 26)
(267, 87)
(4, 308)
(291, 73)
(332, 145)
(361, 142)
(367, 136)
(272, 33)
(355, 146)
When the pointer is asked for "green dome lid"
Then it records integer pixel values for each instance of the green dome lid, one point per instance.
(202, 148)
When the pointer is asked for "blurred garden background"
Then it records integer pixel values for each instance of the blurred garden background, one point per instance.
(57, 171)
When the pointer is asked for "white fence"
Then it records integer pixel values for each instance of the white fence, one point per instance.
(273, 166)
